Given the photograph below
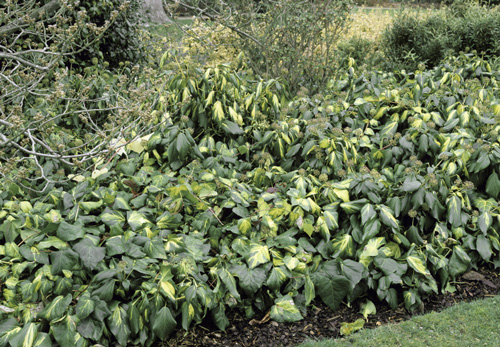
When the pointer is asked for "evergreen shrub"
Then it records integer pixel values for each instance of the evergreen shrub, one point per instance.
(465, 25)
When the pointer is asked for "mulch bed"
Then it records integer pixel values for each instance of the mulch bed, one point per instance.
(320, 322)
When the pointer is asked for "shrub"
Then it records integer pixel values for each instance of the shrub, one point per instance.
(285, 39)
(411, 40)
(464, 25)
(122, 41)
(362, 50)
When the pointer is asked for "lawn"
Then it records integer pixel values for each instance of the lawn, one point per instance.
(466, 324)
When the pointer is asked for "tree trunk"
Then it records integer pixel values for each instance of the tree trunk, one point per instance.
(153, 10)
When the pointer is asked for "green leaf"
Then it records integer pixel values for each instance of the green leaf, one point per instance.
(343, 246)
(64, 332)
(244, 225)
(493, 185)
(57, 308)
(231, 128)
(483, 247)
(25, 337)
(9, 327)
(309, 291)
(52, 241)
(219, 317)
(115, 245)
(389, 266)
(135, 319)
(118, 325)
(90, 328)
(10, 229)
(347, 329)
(389, 128)
(121, 204)
(332, 290)
(84, 307)
(343, 194)
(218, 112)
(353, 271)
(485, 205)
(332, 219)
(455, 211)
(371, 250)
(70, 232)
(89, 253)
(276, 278)
(207, 190)
(169, 221)
(164, 323)
(410, 186)
(136, 220)
(112, 217)
(268, 222)
(105, 290)
(167, 288)
(411, 299)
(259, 254)
(367, 309)
(90, 205)
(182, 145)
(188, 314)
(459, 262)
(229, 282)
(285, 310)
(43, 340)
(353, 206)
(367, 213)
(101, 310)
(417, 264)
(251, 280)
(482, 162)
(484, 221)
(371, 229)
(64, 259)
(155, 249)
(290, 262)
(53, 216)
(387, 217)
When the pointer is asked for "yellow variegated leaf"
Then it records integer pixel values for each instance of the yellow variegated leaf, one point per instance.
(167, 289)
(418, 265)
(259, 254)
(97, 173)
(342, 194)
(218, 112)
(244, 225)
(387, 217)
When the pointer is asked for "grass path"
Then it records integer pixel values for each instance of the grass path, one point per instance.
(466, 324)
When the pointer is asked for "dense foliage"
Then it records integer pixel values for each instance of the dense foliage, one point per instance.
(465, 25)
(385, 188)
(122, 41)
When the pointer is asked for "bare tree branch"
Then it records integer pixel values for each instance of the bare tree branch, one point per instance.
(47, 10)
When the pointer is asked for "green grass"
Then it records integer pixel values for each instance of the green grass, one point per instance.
(466, 324)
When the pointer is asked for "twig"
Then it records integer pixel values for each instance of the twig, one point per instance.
(209, 208)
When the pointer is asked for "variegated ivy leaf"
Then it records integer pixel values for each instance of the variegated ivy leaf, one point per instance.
(259, 254)
(285, 310)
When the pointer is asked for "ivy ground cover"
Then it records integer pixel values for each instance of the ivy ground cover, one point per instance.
(244, 200)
